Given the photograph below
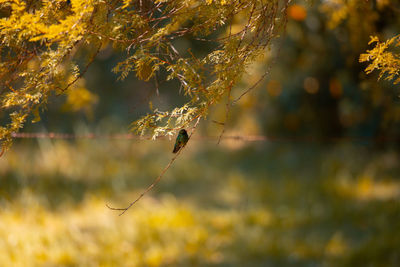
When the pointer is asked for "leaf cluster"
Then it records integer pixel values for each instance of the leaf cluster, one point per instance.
(383, 58)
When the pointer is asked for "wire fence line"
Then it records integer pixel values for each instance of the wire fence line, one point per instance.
(238, 138)
(51, 135)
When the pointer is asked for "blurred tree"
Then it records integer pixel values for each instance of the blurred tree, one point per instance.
(318, 88)
(47, 46)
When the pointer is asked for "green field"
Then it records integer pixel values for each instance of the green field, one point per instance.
(252, 204)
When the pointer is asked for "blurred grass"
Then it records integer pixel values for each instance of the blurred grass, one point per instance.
(261, 204)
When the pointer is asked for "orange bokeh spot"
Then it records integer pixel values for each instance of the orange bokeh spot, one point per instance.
(297, 12)
(311, 85)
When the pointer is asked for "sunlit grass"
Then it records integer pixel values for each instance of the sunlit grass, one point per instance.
(261, 205)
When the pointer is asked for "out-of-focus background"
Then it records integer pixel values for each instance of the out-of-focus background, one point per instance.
(323, 189)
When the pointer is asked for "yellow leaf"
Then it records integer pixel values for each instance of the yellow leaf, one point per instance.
(36, 115)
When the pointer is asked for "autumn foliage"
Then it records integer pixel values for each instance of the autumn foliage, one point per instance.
(41, 41)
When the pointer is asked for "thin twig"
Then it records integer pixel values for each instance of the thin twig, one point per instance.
(272, 63)
(158, 179)
(217, 122)
(93, 57)
(253, 86)
(228, 106)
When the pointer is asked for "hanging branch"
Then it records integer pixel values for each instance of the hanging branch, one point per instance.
(144, 30)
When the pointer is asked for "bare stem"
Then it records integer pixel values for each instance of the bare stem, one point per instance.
(228, 106)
